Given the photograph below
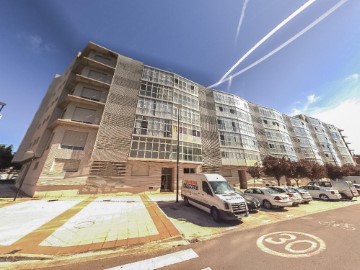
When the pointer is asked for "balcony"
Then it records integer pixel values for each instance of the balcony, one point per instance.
(76, 99)
(69, 122)
(88, 62)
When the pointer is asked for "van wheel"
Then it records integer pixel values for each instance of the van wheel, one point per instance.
(267, 204)
(323, 197)
(186, 202)
(215, 214)
(343, 196)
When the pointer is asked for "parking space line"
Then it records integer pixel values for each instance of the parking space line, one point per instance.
(159, 262)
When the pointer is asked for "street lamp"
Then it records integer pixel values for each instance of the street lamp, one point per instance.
(178, 106)
(31, 155)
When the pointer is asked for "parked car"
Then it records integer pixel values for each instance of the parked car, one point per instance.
(293, 195)
(323, 193)
(345, 188)
(269, 198)
(357, 186)
(306, 197)
(253, 204)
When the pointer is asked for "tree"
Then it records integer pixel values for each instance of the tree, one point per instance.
(317, 171)
(303, 169)
(275, 167)
(334, 172)
(255, 172)
(348, 170)
(6, 155)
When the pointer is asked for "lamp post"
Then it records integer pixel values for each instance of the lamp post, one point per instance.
(32, 157)
(178, 106)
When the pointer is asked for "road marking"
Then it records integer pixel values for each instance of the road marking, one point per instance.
(344, 226)
(287, 241)
(159, 262)
(207, 268)
(20, 219)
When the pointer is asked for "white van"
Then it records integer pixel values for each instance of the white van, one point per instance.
(213, 194)
(345, 188)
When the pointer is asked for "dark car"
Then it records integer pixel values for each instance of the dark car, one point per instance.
(252, 203)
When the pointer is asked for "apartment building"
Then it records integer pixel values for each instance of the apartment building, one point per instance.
(111, 123)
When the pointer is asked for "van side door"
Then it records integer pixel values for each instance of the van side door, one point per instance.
(206, 196)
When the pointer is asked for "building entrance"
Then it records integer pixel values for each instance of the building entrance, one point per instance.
(166, 178)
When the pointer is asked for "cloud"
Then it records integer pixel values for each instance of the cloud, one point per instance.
(340, 107)
(353, 77)
(312, 99)
(344, 116)
(305, 107)
(36, 43)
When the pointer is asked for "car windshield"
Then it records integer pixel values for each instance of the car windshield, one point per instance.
(221, 187)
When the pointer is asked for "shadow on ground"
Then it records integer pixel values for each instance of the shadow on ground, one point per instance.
(8, 191)
(193, 215)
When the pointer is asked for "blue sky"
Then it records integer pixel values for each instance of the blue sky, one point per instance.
(317, 74)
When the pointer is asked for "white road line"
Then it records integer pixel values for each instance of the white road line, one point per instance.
(159, 262)
(207, 268)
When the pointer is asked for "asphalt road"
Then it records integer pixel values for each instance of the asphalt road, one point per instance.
(336, 246)
(327, 240)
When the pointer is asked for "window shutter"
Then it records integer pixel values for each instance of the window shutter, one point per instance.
(74, 138)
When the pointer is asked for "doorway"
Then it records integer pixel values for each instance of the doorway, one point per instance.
(166, 179)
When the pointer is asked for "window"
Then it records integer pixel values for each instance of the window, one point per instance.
(74, 140)
(84, 115)
(221, 109)
(206, 188)
(99, 76)
(189, 170)
(265, 122)
(91, 94)
(102, 59)
(232, 111)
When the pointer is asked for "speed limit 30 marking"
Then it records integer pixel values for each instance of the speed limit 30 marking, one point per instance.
(291, 244)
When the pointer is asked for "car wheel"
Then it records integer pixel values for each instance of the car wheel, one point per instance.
(267, 204)
(307, 202)
(323, 197)
(186, 201)
(215, 214)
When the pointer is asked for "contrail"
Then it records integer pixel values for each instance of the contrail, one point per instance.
(272, 32)
(241, 20)
(318, 20)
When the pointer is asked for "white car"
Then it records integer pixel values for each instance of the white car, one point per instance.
(323, 193)
(293, 195)
(269, 198)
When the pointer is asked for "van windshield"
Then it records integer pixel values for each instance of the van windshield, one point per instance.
(221, 187)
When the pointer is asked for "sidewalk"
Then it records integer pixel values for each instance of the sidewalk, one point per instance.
(77, 225)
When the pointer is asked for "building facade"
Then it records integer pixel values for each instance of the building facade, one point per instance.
(111, 123)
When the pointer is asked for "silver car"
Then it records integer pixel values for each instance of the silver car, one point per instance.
(269, 198)
(306, 197)
(323, 193)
